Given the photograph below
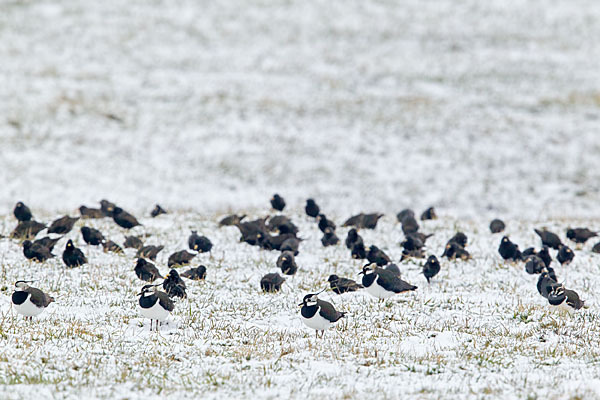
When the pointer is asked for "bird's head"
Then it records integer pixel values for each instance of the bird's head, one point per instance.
(147, 290)
(332, 278)
(368, 269)
(22, 285)
(311, 299)
(69, 245)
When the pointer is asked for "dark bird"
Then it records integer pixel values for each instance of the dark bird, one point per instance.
(174, 285)
(62, 225)
(281, 224)
(109, 245)
(124, 219)
(534, 265)
(546, 282)
(107, 208)
(353, 238)
(382, 283)
(48, 242)
(565, 298)
(92, 236)
(157, 210)
(431, 268)
(409, 225)
(355, 220)
(133, 242)
(544, 254)
(329, 238)
(87, 212)
(312, 209)
(72, 256)
(497, 226)
(596, 248)
(343, 285)
(455, 251)
(565, 255)
(509, 250)
(201, 244)
(277, 202)
(393, 268)
(369, 221)
(407, 212)
(318, 314)
(377, 256)
(250, 230)
(181, 257)
(149, 252)
(408, 254)
(29, 301)
(412, 242)
(358, 252)
(325, 223)
(155, 305)
(195, 274)
(428, 214)
(580, 235)
(36, 251)
(549, 239)
(231, 220)
(459, 238)
(146, 271)
(27, 230)
(290, 244)
(287, 263)
(22, 212)
(271, 283)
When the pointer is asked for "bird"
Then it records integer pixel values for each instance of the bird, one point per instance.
(92, 236)
(87, 212)
(497, 226)
(311, 208)
(343, 285)
(544, 254)
(281, 224)
(369, 221)
(408, 254)
(146, 271)
(381, 283)
(393, 268)
(409, 224)
(407, 212)
(564, 298)
(36, 251)
(534, 265)
(580, 235)
(459, 238)
(109, 245)
(149, 251)
(359, 251)
(29, 301)
(509, 250)
(325, 223)
(173, 285)
(352, 238)
(231, 220)
(318, 314)
(62, 225)
(549, 239)
(195, 274)
(157, 210)
(124, 219)
(596, 248)
(376, 255)
(412, 242)
(277, 202)
(155, 305)
(22, 212)
(271, 283)
(287, 263)
(181, 257)
(355, 220)
(455, 251)
(107, 207)
(428, 214)
(133, 242)
(546, 282)
(72, 256)
(329, 238)
(201, 244)
(48, 242)
(565, 255)
(290, 244)
(431, 268)
(27, 230)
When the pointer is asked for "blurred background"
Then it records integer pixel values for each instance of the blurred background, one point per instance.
(477, 108)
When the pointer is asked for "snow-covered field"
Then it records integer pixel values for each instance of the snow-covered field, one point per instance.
(482, 109)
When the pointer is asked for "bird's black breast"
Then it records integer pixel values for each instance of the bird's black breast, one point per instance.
(148, 301)
(309, 311)
(368, 280)
(19, 297)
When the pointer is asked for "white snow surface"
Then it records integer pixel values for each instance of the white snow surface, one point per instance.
(481, 109)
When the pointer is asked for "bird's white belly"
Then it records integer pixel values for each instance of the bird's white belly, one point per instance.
(28, 309)
(379, 292)
(317, 322)
(155, 312)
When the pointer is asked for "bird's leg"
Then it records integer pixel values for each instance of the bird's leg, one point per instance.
(316, 334)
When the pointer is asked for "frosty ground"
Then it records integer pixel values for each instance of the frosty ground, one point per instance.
(482, 109)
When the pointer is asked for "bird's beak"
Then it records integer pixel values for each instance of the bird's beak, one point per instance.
(361, 272)
(301, 304)
(140, 293)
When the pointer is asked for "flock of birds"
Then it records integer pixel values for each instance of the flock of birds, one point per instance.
(380, 276)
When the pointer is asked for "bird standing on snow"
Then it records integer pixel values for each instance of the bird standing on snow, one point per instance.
(312, 209)
(431, 268)
(329, 238)
(22, 212)
(72, 256)
(509, 250)
(277, 202)
(29, 301)
(497, 226)
(564, 298)
(271, 283)
(318, 314)
(62, 225)
(382, 283)
(549, 239)
(201, 244)
(287, 263)
(36, 251)
(158, 210)
(146, 271)
(343, 285)
(174, 285)
(124, 219)
(428, 214)
(195, 274)
(580, 235)
(155, 305)
(92, 236)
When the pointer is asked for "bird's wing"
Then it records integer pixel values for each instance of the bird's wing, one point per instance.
(165, 301)
(327, 311)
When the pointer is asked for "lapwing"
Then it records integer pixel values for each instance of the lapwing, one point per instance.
(72, 256)
(195, 274)
(149, 252)
(155, 305)
(580, 235)
(124, 219)
(174, 285)
(343, 285)
(318, 314)
(22, 212)
(546, 282)
(382, 283)
(157, 210)
(312, 209)
(29, 301)
(146, 271)
(36, 251)
(564, 298)
(27, 230)
(287, 263)
(428, 214)
(329, 238)
(87, 212)
(549, 239)
(231, 220)
(198, 243)
(508, 250)
(63, 225)
(431, 268)
(133, 242)
(182, 257)
(277, 202)
(92, 236)
(271, 283)
(497, 226)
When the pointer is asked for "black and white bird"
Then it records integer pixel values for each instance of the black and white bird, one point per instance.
(72, 256)
(29, 301)
(146, 271)
(318, 314)
(546, 282)
(312, 209)
(564, 298)
(22, 212)
(381, 283)
(271, 283)
(431, 268)
(155, 305)
(342, 285)
(277, 202)
(92, 236)
(287, 263)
